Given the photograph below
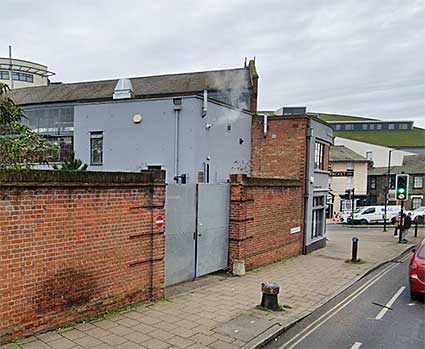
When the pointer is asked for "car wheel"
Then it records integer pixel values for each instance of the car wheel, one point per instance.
(363, 221)
(419, 219)
(414, 295)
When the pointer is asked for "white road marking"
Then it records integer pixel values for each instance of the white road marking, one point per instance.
(333, 311)
(390, 303)
(356, 345)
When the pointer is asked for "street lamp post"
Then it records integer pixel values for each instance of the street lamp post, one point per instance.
(387, 189)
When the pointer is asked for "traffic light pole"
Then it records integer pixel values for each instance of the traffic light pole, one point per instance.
(401, 224)
(387, 190)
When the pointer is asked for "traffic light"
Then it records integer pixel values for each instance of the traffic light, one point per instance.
(402, 187)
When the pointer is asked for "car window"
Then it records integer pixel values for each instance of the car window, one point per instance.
(369, 210)
(421, 253)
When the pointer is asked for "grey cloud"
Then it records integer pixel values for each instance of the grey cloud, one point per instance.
(350, 57)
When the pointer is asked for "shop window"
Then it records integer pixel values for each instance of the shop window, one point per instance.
(4, 75)
(318, 218)
(96, 148)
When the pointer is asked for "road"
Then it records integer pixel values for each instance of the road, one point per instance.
(358, 318)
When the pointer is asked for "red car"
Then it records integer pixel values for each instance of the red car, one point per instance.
(417, 271)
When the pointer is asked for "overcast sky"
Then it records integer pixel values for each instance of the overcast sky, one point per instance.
(363, 58)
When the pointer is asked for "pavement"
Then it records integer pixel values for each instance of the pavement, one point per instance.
(220, 311)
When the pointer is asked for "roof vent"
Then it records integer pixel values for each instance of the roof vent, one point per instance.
(123, 89)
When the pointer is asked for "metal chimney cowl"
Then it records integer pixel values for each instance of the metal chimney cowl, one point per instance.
(123, 89)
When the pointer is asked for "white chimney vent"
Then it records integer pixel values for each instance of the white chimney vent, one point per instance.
(123, 89)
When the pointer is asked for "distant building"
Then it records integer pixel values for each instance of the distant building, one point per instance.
(374, 138)
(17, 73)
(414, 165)
(348, 170)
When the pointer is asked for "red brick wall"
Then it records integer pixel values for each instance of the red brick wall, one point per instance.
(282, 153)
(262, 212)
(74, 245)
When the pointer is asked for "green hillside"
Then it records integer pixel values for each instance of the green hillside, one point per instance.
(401, 138)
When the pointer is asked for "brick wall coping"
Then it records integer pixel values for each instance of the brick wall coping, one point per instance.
(243, 179)
(52, 178)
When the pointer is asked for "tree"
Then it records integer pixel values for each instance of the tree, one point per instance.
(20, 147)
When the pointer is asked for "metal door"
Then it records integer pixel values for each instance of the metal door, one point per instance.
(180, 223)
(213, 228)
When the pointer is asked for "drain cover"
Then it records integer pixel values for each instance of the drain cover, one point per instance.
(244, 327)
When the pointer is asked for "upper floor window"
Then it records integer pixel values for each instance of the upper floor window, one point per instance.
(96, 148)
(417, 182)
(372, 182)
(22, 77)
(319, 156)
(4, 75)
(369, 155)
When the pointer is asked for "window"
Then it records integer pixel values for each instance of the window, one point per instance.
(4, 75)
(372, 182)
(96, 148)
(391, 126)
(337, 127)
(417, 182)
(56, 121)
(392, 182)
(318, 219)
(349, 127)
(369, 211)
(319, 155)
(364, 126)
(416, 202)
(372, 126)
(22, 77)
(65, 148)
(369, 155)
(403, 126)
(378, 126)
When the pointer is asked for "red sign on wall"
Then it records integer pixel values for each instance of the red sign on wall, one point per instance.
(159, 221)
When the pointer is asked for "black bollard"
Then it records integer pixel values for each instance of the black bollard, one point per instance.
(269, 299)
(354, 249)
(416, 227)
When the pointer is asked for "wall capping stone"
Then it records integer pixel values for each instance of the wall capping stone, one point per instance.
(242, 179)
(53, 178)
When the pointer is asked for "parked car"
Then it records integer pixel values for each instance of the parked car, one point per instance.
(418, 215)
(374, 214)
(417, 272)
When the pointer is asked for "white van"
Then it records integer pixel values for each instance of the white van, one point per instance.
(375, 214)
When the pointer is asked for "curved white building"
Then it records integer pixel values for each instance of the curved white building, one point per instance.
(18, 73)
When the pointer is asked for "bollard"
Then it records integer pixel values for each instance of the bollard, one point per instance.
(354, 249)
(416, 228)
(269, 299)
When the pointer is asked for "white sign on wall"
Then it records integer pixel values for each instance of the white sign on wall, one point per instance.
(295, 230)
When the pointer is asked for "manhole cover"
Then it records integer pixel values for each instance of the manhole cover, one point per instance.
(244, 327)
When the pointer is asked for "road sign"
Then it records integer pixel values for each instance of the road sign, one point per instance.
(159, 221)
